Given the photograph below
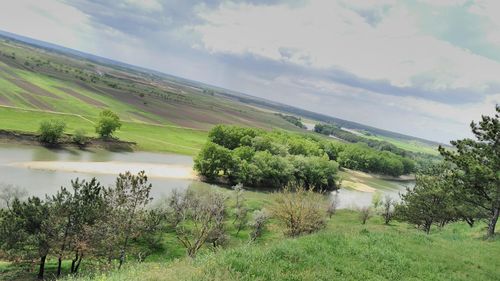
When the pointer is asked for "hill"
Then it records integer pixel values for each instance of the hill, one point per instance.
(54, 82)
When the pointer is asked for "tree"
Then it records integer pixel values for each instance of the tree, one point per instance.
(126, 203)
(25, 232)
(108, 123)
(72, 213)
(212, 160)
(201, 220)
(477, 176)
(430, 201)
(9, 192)
(240, 211)
(51, 131)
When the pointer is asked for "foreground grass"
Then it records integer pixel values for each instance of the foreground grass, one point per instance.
(345, 250)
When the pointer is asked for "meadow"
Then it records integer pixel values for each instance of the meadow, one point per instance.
(345, 250)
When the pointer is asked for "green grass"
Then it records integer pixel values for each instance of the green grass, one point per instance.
(147, 136)
(345, 250)
(414, 146)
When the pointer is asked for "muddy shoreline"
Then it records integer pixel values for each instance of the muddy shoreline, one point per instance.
(17, 137)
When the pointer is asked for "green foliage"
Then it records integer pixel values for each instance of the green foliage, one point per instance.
(80, 138)
(477, 174)
(265, 159)
(51, 131)
(213, 160)
(430, 201)
(108, 123)
(361, 157)
(26, 231)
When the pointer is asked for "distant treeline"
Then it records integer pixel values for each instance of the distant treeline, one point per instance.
(256, 157)
(292, 119)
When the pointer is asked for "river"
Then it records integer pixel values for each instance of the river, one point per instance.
(42, 171)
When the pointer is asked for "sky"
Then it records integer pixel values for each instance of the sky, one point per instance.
(424, 68)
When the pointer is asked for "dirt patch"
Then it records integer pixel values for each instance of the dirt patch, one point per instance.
(5, 101)
(82, 97)
(143, 117)
(35, 101)
(32, 88)
(358, 186)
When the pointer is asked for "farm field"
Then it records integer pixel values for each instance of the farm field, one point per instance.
(157, 113)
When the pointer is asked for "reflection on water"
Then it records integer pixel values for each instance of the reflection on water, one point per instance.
(42, 182)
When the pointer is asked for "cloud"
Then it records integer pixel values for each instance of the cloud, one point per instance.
(37, 19)
(423, 67)
(329, 34)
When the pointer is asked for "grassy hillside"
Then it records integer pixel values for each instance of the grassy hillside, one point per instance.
(346, 250)
(36, 84)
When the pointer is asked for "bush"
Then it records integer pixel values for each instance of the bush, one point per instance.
(300, 210)
(51, 131)
(79, 137)
(259, 220)
(365, 213)
(108, 123)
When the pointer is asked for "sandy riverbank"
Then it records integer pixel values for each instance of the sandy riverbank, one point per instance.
(153, 170)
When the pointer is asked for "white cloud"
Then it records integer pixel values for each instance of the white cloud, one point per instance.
(46, 20)
(324, 34)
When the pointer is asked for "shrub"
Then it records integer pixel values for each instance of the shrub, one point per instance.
(333, 205)
(258, 223)
(79, 137)
(300, 210)
(388, 209)
(365, 213)
(51, 131)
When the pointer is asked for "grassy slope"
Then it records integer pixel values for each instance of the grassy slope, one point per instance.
(182, 105)
(346, 250)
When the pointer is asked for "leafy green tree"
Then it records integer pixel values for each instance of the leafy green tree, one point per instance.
(477, 176)
(26, 232)
(231, 137)
(51, 131)
(212, 160)
(108, 123)
(430, 201)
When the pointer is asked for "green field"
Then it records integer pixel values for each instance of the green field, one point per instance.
(149, 137)
(159, 114)
(410, 145)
